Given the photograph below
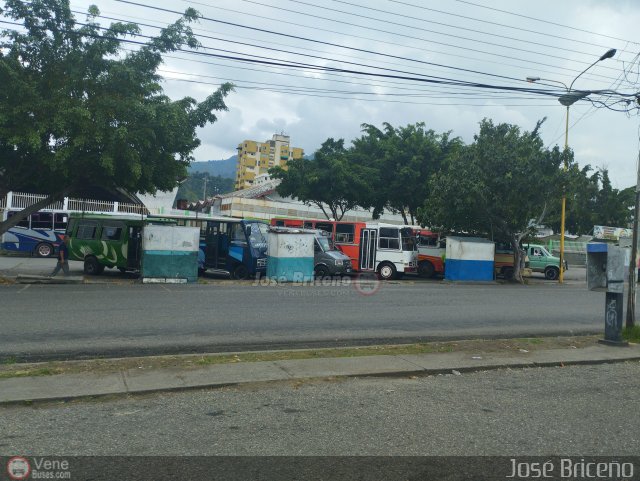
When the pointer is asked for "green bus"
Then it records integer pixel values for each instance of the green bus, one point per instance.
(102, 240)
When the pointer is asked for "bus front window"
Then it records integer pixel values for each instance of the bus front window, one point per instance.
(408, 240)
(258, 235)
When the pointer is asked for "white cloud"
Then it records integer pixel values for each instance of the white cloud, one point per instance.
(599, 138)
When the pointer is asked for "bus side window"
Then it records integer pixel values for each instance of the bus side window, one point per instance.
(345, 233)
(237, 233)
(23, 223)
(42, 220)
(111, 232)
(87, 230)
(325, 227)
(70, 227)
(308, 225)
(60, 221)
(389, 238)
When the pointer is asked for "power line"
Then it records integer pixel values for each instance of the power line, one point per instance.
(314, 40)
(542, 21)
(488, 22)
(382, 31)
(423, 94)
(351, 56)
(412, 102)
(457, 27)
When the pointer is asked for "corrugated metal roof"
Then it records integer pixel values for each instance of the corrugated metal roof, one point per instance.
(255, 191)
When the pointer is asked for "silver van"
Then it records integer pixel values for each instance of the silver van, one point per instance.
(328, 260)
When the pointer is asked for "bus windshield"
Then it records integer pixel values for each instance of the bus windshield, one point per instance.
(408, 240)
(325, 243)
(258, 235)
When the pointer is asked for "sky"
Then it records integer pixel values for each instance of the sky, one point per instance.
(396, 49)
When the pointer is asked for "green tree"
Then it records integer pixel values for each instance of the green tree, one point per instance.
(330, 181)
(75, 110)
(499, 186)
(403, 159)
(591, 200)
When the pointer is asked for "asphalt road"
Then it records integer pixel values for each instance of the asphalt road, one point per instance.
(578, 411)
(64, 321)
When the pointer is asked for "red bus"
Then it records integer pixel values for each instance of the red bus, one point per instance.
(431, 250)
(390, 250)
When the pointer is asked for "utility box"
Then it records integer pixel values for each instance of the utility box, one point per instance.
(290, 255)
(605, 272)
(170, 253)
(605, 267)
(469, 259)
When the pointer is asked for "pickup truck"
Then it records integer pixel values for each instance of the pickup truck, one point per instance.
(541, 260)
(503, 263)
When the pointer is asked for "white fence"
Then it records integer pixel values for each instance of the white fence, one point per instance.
(20, 200)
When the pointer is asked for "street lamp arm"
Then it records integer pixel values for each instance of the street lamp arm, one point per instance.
(608, 54)
(538, 79)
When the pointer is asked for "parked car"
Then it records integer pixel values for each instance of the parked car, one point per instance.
(541, 260)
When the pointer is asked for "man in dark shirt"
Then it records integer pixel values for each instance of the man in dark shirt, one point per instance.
(63, 258)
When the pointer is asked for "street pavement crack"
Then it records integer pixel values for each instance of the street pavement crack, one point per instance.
(124, 381)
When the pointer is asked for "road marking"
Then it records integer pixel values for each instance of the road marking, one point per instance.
(24, 288)
(166, 288)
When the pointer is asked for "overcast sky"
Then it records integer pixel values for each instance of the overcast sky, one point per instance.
(450, 40)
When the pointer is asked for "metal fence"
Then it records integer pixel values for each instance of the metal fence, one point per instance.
(21, 200)
(574, 252)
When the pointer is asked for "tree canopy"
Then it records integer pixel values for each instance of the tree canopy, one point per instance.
(330, 180)
(76, 110)
(500, 185)
(403, 159)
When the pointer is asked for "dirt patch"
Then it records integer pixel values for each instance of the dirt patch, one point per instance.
(194, 361)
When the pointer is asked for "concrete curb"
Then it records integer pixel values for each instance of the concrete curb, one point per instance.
(65, 387)
(28, 279)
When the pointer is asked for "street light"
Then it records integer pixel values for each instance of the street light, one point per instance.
(568, 99)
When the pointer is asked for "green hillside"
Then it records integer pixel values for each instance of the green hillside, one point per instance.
(223, 168)
(192, 189)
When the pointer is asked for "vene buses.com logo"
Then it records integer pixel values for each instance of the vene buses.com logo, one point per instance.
(18, 468)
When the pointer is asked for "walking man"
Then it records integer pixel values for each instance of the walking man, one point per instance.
(63, 258)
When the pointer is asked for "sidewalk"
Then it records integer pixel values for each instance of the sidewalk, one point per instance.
(140, 381)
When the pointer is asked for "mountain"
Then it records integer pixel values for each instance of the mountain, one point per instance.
(223, 168)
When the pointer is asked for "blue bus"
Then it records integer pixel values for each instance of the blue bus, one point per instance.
(40, 234)
(231, 246)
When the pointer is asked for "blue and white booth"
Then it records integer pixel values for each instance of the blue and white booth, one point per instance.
(469, 259)
(290, 255)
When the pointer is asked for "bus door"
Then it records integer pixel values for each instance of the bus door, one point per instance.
(368, 244)
(215, 252)
(134, 246)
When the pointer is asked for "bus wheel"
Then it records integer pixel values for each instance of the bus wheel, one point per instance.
(387, 271)
(44, 250)
(426, 269)
(92, 267)
(240, 272)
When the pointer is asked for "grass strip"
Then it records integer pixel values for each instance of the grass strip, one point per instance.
(11, 368)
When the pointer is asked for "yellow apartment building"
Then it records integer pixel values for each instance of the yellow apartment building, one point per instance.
(255, 158)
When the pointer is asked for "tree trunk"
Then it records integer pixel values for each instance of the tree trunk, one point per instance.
(518, 259)
(321, 207)
(404, 217)
(24, 213)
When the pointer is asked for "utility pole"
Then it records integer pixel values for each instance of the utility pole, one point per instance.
(631, 300)
(204, 191)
